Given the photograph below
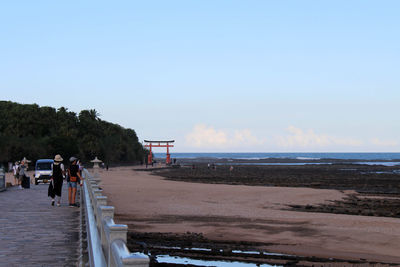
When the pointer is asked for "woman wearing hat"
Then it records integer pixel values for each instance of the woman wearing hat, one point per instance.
(55, 186)
(74, 177)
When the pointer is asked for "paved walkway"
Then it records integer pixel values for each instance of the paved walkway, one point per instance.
(34, 233)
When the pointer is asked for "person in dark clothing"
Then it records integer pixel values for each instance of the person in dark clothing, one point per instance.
(22, 172)
(74, 177)
(56, 181)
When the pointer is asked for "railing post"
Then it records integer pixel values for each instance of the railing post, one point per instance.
(117, 231)
(101, 201)
(113, 232)
(92, 187)
(104, 212)
(97, 193)
(122, 257)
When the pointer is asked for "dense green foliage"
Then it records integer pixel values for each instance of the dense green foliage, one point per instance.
(42, 132)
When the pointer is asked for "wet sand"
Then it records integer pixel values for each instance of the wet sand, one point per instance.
(257, 217)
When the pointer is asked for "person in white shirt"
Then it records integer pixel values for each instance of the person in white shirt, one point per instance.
(16, 173)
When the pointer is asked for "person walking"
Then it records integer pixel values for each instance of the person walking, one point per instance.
(22, 169)
(56, 181)
(74, 177)
(16, 173)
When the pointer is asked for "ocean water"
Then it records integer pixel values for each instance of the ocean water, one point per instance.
(301, 156)
(216, 263)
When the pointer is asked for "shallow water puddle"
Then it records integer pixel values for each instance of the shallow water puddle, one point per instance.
(216, 263)
(276, 163)
(233, 251)
(263, 253)
(184, 260)
(384, 163)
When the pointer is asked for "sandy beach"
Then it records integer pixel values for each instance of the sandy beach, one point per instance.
(254, 214)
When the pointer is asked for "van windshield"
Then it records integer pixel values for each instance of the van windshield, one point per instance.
(43, 166)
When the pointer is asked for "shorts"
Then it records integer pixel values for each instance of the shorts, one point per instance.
(73, 184)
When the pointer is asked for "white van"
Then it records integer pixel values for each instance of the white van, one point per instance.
(43, 171)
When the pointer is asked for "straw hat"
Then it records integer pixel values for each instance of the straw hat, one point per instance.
(58, 158)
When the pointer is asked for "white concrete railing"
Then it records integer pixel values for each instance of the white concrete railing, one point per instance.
(2, 180)
(106, 240)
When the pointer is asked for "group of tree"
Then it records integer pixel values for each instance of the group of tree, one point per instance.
(42, 132)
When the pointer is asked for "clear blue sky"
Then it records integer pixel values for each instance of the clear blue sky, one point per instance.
(229, 76)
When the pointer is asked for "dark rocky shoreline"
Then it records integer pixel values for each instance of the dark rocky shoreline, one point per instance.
(195, 246)
(376, 179)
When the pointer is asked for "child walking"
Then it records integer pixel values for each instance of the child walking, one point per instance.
(74, 177)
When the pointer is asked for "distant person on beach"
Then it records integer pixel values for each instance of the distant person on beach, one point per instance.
(16, 173)
(55, 187)
(74, 177)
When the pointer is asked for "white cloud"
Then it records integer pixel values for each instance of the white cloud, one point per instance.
(385, 143)
(245, 137)
(209, 138)
(309, 139)
(203, 136)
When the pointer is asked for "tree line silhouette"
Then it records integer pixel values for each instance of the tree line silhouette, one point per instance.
(27, 130)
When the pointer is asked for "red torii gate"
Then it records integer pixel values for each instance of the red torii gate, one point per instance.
(159, 144)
